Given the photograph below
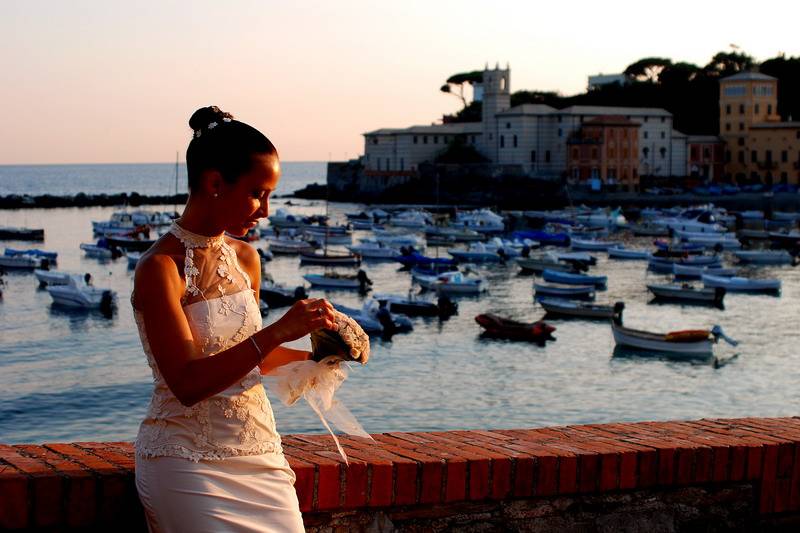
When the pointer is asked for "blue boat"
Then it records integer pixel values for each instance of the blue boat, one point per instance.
(543, 237)
(11, 252)
(416, 258)
(568, 278)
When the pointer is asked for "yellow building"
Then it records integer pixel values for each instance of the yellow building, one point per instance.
(758, 146)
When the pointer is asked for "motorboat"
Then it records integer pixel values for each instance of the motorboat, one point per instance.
(477, 252)
(542, 262)
(120, 222)
(765, 257)
(739, 284)
(695, 272)
(568, 278)
(579, 292)
(684, 292)
(399, 240)
(374, 250)
(51, 277)
(620, 252)
(575, 309)
(284, 219)
(426, 277)
(377, 320)
(334, 280)
(289, 246)
(497, 327)
(328, 257)
(23, 262)
(666, 265)
(672, 249)
(415, 258)
(35, 252)
(649, 230)
(413, 306)
(480, 220)
(691, 343)
(592, 244)
(452, 234)
(137, 242)
(545, 238)
(788, 240)
(579, 258)
(457, 282)
(323, 238)
(99, 250)
(79, 294)
(415, 219)
(11, 233)
(277, 295)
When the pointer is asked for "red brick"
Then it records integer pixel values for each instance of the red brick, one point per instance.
(721, 460)
(782, 495)
(478, 479)
(327, 494)
(794, 493)
(355, 484)
(627, 469)
(648, 469)
(523, 477)
(501, 478)
(666, 465)
(769, 479)
(754, 456)
(567, 474)
(304, 484)
(15, 504)
(785, 461)
(546, 475)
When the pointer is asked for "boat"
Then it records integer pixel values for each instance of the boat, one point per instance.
(79, 294)
(480, 220)
(620, 252)
(23, 262)
(415, 258)
(739, 284)
(685, 292)
(787, 241)
(51, 277)
(695, 272)
(328, 257)
(649, 230)
(592, 245)
(133, 258)
(568, 278)
(457, 282)
(540, 263)
(671, 249)
(580, 292)
(578, 258)
(120, 222)
(289, 246)
(414, 219)
(374, 250)
(477, 252)
(765, 257)
(99, 250)
(277, 295)
(449, 233)
(690, 343)
(752, 234)
(666, 265)
(376, 319)
(36, 252)
(567, 308)
(497, 327)
(412, 306)
(9, 233)
(545, 238)
(284, 219)
(334, 280)
(136, 243)
(321, 237)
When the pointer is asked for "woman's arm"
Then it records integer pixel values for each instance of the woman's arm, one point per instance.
(280, 356)
(190, 375)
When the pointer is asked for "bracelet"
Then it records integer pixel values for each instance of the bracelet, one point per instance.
(258, 349)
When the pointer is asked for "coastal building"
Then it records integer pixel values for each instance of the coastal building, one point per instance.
(759, 147)
(598, 80)
(527, 139)
(705, 157)
(605, 146)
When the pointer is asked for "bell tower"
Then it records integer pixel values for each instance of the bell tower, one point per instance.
(496, 98)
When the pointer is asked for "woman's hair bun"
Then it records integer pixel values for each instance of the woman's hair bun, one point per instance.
(206, 115)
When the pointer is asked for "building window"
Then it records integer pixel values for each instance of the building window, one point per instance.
(547, 156)
(559, 118)
(533, 156)
(378, 162)
(624, 153)
(663, 152)
(576, 173)
(374, 140)
(784, 156)
(515, 141)
(693, 151)
(727, 156)
(646, 151)
(756, 109)
(402, 164)
(706, 152)
(574, 152)
(740, 141)
(728, 109)
(415, 139)
(508, 125)
(797, 134)
(727, 126)
(741, 126)
(560, 132)
(610, 152)
(645, 135)
(491, 136)
(663, 119)
(645, 119)
(424, 139)
(502, 141)
(741, 156)
(435, 139)
(472, 139)
(663, 135)
(768, 156)
(769, 109)
(753, 156)
(741, 109)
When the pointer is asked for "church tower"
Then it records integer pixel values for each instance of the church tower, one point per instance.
(496, 98)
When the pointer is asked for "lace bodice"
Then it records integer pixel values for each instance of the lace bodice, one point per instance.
(222, 311)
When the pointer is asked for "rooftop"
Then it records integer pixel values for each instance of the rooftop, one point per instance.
(748, 76)
(441, 129)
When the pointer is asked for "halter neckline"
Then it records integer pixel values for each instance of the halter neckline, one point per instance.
(195, 240)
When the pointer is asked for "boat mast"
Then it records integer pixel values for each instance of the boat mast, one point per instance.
(175, 198)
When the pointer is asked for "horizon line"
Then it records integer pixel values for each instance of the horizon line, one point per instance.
(137, 163)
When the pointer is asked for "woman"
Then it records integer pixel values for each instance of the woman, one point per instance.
(208, 456)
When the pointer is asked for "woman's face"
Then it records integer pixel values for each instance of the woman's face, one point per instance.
(247, 200)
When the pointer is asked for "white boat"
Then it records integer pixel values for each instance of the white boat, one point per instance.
(592, 244)
(374, 250)
(93, 250)
(620, 252)
(687, 293)
(51, 277)
(289, 246)
(455, 234)
(563, 291)
(457, 282)
(392, 238)
(690, 342)
(569, 308)
(764, 257)
(76, 293)
(738, 284)
(415, 219)
(480, 220)
(121, 222)
(284, 219)
(477, 252)
(695, 272)
(370, 319)
(22, 262)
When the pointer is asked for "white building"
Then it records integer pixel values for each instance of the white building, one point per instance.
(530, 137)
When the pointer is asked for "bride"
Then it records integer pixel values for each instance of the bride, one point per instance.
(208, 456)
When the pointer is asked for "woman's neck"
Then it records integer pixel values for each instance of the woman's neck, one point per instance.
(196, 220)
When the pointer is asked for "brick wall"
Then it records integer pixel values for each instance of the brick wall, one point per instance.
(417, 480)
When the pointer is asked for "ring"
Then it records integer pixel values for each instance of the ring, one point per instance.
(319, 311)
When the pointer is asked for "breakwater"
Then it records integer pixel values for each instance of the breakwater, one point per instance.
(706, 475)
(134, 199)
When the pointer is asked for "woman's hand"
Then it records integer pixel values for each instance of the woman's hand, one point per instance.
(304, 317)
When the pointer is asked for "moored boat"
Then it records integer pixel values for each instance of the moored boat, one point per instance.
(568, 278)
(568, 308)
(620, 252)
(21, 234)
(330, 258)
(334, 280)
(764, 257)
(687, 293)
(580, 292)
(739, 284)
(498, 327)
(77, 293)
(687, 342)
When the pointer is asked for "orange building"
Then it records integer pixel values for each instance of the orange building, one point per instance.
(758, 146)
(605, 148)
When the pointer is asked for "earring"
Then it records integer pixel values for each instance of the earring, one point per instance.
(216, 194)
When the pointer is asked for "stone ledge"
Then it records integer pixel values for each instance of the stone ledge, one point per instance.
(84, 484)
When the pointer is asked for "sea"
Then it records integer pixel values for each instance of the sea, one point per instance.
(67, 375)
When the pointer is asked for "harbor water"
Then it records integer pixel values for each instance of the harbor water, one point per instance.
(77, 376)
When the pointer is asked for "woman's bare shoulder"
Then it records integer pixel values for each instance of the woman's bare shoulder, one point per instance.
(160, 265)
(245, 253)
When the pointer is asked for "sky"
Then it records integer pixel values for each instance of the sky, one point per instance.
(108, 81)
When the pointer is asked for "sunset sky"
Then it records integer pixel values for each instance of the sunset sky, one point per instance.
(110, 81)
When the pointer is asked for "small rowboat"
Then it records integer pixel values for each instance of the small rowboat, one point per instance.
(329, 258)
(497, 327)
(538, 264)
(555, 276)
(411, 306)
(765, 257)
(689, 342)
(580, 292)
(620, 252)
(687, 293)
(333, 280)
(289, 246)
(35, 252)
(695, 272)
(737, 284)
(591, 244)
(570, 309)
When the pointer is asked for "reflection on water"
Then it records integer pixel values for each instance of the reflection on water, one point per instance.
(68, 375)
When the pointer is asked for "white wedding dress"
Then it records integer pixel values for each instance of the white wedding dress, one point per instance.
(218, 465)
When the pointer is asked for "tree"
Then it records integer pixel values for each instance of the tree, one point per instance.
(647, 69)
(728, 63)
(458, 81)
(678, 74)
(787, 70)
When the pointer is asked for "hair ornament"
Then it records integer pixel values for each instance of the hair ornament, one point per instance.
(226, 119)
(197, 133)
(212, 125)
